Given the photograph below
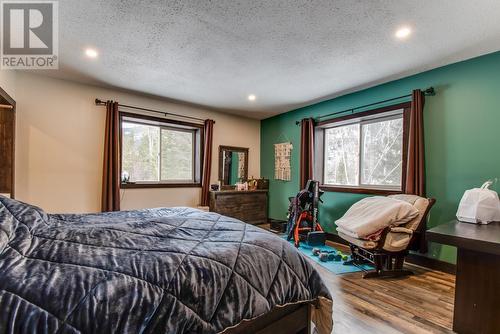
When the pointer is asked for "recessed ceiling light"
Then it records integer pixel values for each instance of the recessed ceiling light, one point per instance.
(251, 97)
(91, 53)
(403, 32)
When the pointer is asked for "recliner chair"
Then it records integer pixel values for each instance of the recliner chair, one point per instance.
(387, 254)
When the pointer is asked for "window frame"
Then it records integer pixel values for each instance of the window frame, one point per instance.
(166, 123)
(350, 119)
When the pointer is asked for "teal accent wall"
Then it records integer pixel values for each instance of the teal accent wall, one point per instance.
(462, 139)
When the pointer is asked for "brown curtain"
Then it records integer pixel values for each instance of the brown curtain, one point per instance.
(207, 161)
(306, 151)
(415, 174)
(111, 169)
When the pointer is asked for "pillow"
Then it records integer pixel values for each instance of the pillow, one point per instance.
(373, 214)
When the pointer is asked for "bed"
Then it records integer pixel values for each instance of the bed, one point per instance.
(166, 270)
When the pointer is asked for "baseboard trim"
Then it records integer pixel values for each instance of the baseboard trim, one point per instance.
(415, 259)
(431, 263)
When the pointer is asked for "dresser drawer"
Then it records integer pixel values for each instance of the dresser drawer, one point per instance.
(248, 206)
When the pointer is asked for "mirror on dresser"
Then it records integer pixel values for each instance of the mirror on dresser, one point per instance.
(233, 166)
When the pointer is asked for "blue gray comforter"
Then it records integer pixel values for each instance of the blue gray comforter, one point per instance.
(168, 270)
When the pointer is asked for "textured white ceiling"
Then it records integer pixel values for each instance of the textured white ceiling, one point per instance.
(288, 53)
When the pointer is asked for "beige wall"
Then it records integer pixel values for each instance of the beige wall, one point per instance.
(8, 82)
(59, 145)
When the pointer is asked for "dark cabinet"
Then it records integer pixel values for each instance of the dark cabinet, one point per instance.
(248, 206)
(7, 135)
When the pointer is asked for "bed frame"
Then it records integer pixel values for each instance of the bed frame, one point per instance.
(291, 319)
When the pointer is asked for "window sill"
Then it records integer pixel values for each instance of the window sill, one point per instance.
(367, 191)
(159, 185)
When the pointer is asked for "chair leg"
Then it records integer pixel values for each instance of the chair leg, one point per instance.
(371, 274)
(398, 263)
(386, 264)
(387, 273)
(355, 258)
(379, 262)
(386, 268)
(391, 263)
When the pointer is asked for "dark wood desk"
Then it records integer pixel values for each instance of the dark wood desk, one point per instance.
(477, 291)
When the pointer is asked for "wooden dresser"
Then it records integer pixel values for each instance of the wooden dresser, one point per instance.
(248, 206)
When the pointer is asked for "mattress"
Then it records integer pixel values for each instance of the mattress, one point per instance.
(165, 270)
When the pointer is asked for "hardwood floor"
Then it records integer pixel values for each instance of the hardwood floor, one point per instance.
(422, 303)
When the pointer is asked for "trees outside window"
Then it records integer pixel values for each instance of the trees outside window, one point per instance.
(155, 151)
(365, 152)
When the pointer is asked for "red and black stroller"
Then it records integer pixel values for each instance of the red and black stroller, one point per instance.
(303, 222)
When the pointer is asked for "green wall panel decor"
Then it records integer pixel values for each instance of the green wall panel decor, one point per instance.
(462, 139)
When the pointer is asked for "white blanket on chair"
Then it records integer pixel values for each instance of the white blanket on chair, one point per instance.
(373, 214)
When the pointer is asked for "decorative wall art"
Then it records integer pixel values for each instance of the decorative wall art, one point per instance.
(282, 166)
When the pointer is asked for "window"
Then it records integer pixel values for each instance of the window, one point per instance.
(364, 152)
(159, 152)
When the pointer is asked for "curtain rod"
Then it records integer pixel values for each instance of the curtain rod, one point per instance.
(101, 103)
(428, 92)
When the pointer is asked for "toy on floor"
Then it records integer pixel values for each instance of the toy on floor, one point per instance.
(325, 256)
(344, 257)
(303, 222)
